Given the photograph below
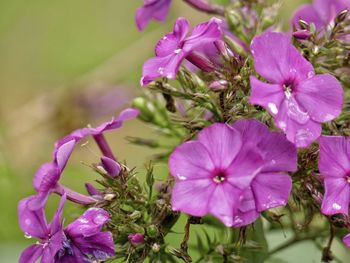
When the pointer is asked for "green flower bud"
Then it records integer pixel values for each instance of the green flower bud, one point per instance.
(152, 231)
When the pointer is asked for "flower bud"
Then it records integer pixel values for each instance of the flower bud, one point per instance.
(155, 248)
(135, 215)
(136, 239)
(112, 167)
(92, 190)
(218, 85)
(302, 34)
(341, 16)
(152, 231)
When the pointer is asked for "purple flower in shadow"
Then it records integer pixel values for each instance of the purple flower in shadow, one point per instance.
(320, 12)
(298, 99)
(80, 241)
(46, 178)
(50, 236)
(174, 47)
(334, 167)
(272, 185)
(212, 172)
(151, 9)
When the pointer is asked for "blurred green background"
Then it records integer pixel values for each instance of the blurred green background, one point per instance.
(67, 63)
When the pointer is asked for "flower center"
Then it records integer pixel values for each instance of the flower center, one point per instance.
(348, 177)
(287, 88)
(219, 177)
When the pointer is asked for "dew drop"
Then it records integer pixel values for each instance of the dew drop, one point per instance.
(273, 107)
(177, 51)
(161, 70)
(181, 177)
(100, 219)
(26, 235)
(336, 206)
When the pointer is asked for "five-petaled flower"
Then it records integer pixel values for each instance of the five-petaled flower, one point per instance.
(151, 9)
(81, 241)
(298, 99)
(176, 46)
(225, 171)
(334, 167)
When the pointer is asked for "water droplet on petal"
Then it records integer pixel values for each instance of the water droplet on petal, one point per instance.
(181, 177)
(295, 112)
(336, 206)
(161, 70)
(273, 107)
(177, 51)
(310, 74)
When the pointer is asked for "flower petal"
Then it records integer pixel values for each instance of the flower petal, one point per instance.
(322, 96)
(296, 124)
(346, 240)
(191, 160)
(31, 254)
(246, 213)
(269, 96)
(52, 247)
(63, 152)
(203, 34)
(56, 222)
(192, 196)
(224, 202)
(222, 142)
(88, 224)
(271, 190)
(32, 223)
(278, 153)
(277, 60)
(334, 156)
(157, 10)
(336, 197)
(245, 167)
(46, 177)
(99, 246)
(171, 42)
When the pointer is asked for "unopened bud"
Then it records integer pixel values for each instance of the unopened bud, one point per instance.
(218, 85)
(341, 16)
(136, 239)
(155, 248)
(112, 167)
(109, 197)
(152, 231)
(304, 25)
(302, 34)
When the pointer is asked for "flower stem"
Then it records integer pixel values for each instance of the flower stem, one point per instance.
(104, 146)
(204, 6)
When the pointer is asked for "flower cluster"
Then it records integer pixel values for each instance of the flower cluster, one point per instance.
(253, 119)
(83, 239)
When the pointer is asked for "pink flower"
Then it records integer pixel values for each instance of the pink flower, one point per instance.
(174, 47)
(298, 99)
(334, 166)
(224, 172)
(272, 185)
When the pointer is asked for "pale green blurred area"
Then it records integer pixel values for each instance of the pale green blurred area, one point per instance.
(51, 51)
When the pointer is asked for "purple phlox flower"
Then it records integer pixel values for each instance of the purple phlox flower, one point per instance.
(50, 236)
(334, 167)
(136, 239)
(320, 12)
(298, 99)
(46, 179)
(111, 166)
(346, 240)
(174, 47)
(151, 9)
(272, 185)
(212, 172)
(84, 240)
